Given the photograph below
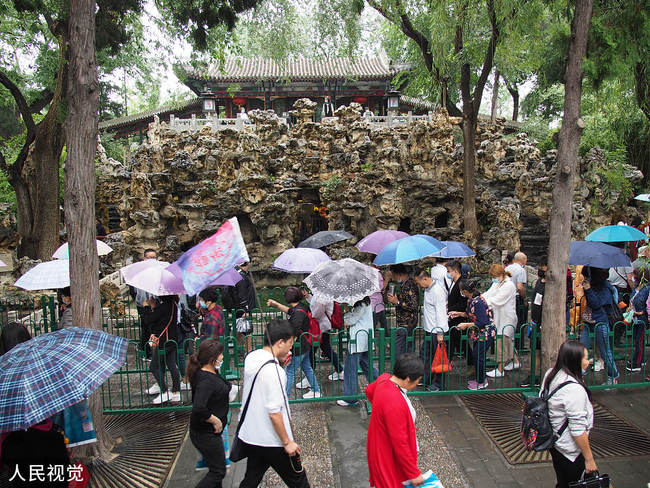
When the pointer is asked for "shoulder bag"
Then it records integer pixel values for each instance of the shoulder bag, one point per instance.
(238, 448)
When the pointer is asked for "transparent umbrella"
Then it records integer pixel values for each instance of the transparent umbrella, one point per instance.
(345, 281)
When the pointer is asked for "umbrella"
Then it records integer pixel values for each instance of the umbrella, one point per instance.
(375, 242)
(53, 371)
(229, 278)
(325, 238)
(616, 233)
(151, 276)
(63, 251)
(597, 254)
(644, 197)
(47, 275)
(345, 280)
(300, 260)
(455, 249)
(409, 248)
(2, 263)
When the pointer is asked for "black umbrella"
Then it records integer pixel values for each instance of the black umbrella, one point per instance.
(325, 238)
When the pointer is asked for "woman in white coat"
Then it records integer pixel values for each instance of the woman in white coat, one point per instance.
(501, 298)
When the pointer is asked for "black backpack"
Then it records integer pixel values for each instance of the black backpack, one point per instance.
(536, 430)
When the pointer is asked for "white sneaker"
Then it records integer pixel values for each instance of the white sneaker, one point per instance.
(175, 396)
(510, 366)
(599, 365)
(154, 390)
(162, 398)
(336, 376)
(185, 386)
(304, 384)
(495, 373)
(312, 394)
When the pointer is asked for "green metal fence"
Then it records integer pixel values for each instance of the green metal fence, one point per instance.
(126, 390)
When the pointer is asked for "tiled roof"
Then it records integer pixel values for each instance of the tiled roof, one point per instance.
(417, 102)
(164, 110)
(238, 70)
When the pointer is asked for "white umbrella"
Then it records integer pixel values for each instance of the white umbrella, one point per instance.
(344, 281)
(151, 276)
(45, 276)
(63, 253)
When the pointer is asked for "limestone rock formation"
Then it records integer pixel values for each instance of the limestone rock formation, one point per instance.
(180, 186)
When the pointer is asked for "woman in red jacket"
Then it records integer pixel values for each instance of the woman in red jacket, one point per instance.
(391, 447)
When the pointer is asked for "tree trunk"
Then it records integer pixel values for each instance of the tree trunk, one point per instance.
(469, 173)
(36, 182)
(642, 86)
(495, 96)
(515, 104)
(81, 128)
(554, 311)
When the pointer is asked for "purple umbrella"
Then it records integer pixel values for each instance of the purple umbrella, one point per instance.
(151, 276)
(375, 242)
(229, 278)
(300, 260)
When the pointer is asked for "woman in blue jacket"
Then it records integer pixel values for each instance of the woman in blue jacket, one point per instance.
(601, 301)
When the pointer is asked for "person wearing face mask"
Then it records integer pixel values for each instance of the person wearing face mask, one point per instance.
(501, 298)
(571, 414)
(65, 317)
(212, 313)
(536, 308)
(456, 305)
(407, 306)
(210, 402)
(482, 332)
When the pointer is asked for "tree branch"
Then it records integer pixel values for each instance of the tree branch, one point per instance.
(488, 61)
(37, 105)
(20, 101)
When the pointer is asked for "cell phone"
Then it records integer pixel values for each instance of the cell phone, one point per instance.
(391, 289)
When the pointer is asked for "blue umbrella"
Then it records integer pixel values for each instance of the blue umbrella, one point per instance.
(44, 375)
(454, 249)
(597, 254)
(616, 233)
(409, 248)
(644, 197)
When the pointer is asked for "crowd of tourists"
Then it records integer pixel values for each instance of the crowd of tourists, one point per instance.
(453, 311)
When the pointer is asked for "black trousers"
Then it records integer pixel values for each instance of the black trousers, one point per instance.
(328, 352)
(158, 364)
(210, 445)
(145, 333)
(262, 458)
(566, 470)
(380, 320)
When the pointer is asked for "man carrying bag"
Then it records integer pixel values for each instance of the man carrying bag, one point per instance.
(264, 432)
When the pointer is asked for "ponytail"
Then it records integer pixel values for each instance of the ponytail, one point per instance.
(192, 367)
(209, 351)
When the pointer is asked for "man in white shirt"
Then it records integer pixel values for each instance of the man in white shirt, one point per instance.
(519, 277)
(434, 314)
(267, 427)
(439, 275)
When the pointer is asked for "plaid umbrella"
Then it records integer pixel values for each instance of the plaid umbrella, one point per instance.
(44, 375)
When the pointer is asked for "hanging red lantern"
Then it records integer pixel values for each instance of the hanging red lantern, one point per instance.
(239, 101)
(360, 100)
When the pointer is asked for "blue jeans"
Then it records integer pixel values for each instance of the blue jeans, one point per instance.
(479, 354)
(304, 362)
(352, 363)
(603, 343)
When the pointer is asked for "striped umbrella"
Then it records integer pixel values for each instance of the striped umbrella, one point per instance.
(44, 375)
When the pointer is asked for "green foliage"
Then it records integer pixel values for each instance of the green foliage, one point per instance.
(366, 167)
(614, 181)
(331, 185)
(209, 185)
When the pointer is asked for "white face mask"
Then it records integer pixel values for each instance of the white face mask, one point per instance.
(218, 364)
